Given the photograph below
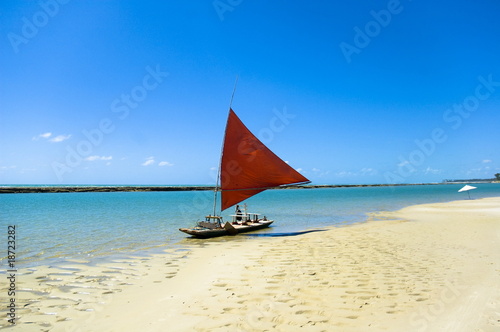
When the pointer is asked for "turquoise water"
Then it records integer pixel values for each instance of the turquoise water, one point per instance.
(52, 228)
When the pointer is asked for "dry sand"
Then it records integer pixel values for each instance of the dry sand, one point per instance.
(433, 267)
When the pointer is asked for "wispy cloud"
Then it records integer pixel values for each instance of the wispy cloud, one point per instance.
(48, 135)
(486, 161)
(345, 173)
(28, 170)
(403, 163)
(430, 170)
(149, 161)
(8, 167)
(44, 135)
(365, 171)
(94, 158)
(480, 171)
(368, 171)
(59, 138)
(165, 163)
(319, 173)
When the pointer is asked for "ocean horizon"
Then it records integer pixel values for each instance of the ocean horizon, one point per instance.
(94, 226)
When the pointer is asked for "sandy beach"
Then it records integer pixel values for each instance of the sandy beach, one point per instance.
(432, 267)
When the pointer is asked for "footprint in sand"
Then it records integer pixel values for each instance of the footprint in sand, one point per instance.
(220, 285)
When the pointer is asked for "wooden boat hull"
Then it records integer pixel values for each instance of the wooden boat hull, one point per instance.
(204, 233)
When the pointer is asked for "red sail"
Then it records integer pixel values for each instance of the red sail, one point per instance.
(248, 166)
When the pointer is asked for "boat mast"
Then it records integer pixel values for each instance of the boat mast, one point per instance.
(222, 148)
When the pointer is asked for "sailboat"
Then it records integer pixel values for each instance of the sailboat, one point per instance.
(247, 168)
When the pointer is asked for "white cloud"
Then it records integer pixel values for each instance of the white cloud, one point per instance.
(368, 171)
(165, 163)
(480, 171)
(94, 158)
(319, 173)
(404, 162)
(486, 161)
(299, 170)
(149, 161)
(7, 167)
(362, 172)
(48, 135)
(44, 135)
(345, 173)
(429, 170)
(60, 138)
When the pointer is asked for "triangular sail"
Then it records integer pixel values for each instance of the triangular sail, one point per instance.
(248, 166)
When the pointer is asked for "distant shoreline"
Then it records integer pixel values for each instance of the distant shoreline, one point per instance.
(97, 188)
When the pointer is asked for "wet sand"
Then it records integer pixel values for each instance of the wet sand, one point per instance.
(432, 267)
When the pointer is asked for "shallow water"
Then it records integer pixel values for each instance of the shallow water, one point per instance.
(53, 228)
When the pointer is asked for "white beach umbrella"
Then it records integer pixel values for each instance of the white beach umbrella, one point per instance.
(467, 188)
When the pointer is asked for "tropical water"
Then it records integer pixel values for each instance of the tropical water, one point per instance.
(56, 227)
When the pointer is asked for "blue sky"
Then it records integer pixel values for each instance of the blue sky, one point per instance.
(137, 92)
